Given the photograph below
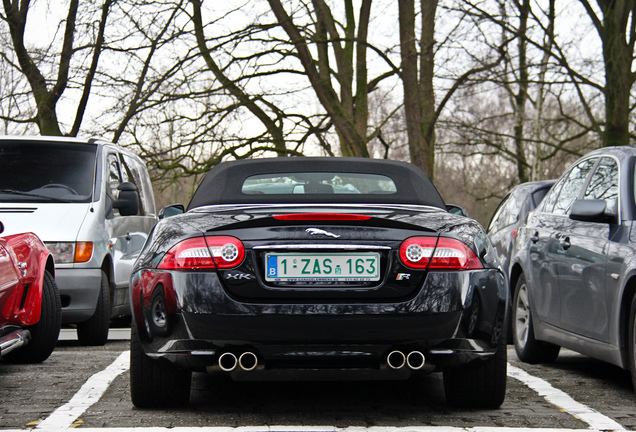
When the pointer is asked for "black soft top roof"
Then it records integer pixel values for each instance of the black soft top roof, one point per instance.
(223, 184)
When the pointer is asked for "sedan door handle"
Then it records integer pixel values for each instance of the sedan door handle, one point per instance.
(565, 243)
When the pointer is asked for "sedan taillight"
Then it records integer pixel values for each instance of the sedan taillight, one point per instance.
(226, 251)
(204, 253)
(440, 254)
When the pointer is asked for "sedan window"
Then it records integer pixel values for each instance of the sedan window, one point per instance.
(506, 214)
(572, 186)
(604, 184)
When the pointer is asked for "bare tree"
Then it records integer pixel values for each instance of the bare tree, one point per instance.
(617, 30)
(46, 97)
(348, 110)
(419, 77)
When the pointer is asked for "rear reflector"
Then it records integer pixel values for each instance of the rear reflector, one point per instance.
(322, 217)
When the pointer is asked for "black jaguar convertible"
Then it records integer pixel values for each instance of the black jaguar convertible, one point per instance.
(318, 268)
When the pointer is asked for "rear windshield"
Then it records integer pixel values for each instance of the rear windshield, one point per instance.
(318, 183)
(46, 171)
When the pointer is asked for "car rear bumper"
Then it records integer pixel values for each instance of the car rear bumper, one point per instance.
(453, 319)
(79, 291)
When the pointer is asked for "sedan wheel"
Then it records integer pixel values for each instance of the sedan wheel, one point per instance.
(522, 316)
(155, 382)
(631, 343)
(479, 384)
(528, 349)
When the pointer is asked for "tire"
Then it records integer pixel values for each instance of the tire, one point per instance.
(528, 349)
(157, 320)
(45, 333)
(94, 332)
(631, 341)
(154, 383)
(479, 384)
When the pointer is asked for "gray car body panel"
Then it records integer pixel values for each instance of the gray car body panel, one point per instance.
(585, 311)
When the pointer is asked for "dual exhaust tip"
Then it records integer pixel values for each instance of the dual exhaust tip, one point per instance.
(414, 360)
(246, 361)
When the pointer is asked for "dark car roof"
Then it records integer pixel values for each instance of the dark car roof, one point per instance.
(223, 184)
(529, 187)
(619, 151)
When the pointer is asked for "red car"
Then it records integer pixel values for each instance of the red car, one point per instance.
(30, 309)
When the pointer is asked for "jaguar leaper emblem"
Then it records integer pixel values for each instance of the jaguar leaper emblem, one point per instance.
(318, 231)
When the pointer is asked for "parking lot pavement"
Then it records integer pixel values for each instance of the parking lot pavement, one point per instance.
(87, 387)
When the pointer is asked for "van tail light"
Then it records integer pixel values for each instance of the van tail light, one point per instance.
(204, 253)
(440, 254)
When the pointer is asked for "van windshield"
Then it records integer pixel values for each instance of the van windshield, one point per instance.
(39, 171)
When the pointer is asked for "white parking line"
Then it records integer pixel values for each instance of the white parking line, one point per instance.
(561, 399)
(92, 390)
(63, 418)
(325, 429)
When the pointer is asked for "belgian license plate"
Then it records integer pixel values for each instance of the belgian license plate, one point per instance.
(322, 267)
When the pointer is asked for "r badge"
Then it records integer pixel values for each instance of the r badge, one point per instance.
(403, 276)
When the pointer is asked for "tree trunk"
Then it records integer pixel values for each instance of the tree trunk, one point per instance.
(340, 110)
(419, 97)
(45, 99)
(522, 94)
(617, 30)
(618, 51)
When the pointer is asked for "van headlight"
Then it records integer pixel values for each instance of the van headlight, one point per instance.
(70, 252)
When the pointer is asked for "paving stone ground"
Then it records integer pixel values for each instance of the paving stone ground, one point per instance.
(29, 393)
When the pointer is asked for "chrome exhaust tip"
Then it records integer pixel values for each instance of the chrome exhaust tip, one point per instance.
(227, 362)
(415, 360)
(248, 361)
(396, 360)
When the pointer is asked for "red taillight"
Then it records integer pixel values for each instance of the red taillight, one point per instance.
(443, 254)
(204, 253)
(227, 251)
(322, 217)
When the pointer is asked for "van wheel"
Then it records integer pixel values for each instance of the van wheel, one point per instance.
(94, 332)
(528, 349)
(154, 382)
(44, 334)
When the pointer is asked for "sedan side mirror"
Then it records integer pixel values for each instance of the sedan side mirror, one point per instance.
(456, 210)
(171, 210)
(589, 211)
(128, 201)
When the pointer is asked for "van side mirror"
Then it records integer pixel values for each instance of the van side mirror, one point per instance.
(128, 201)
(171, 210)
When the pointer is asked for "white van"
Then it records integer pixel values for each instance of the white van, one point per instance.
(91, 203)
